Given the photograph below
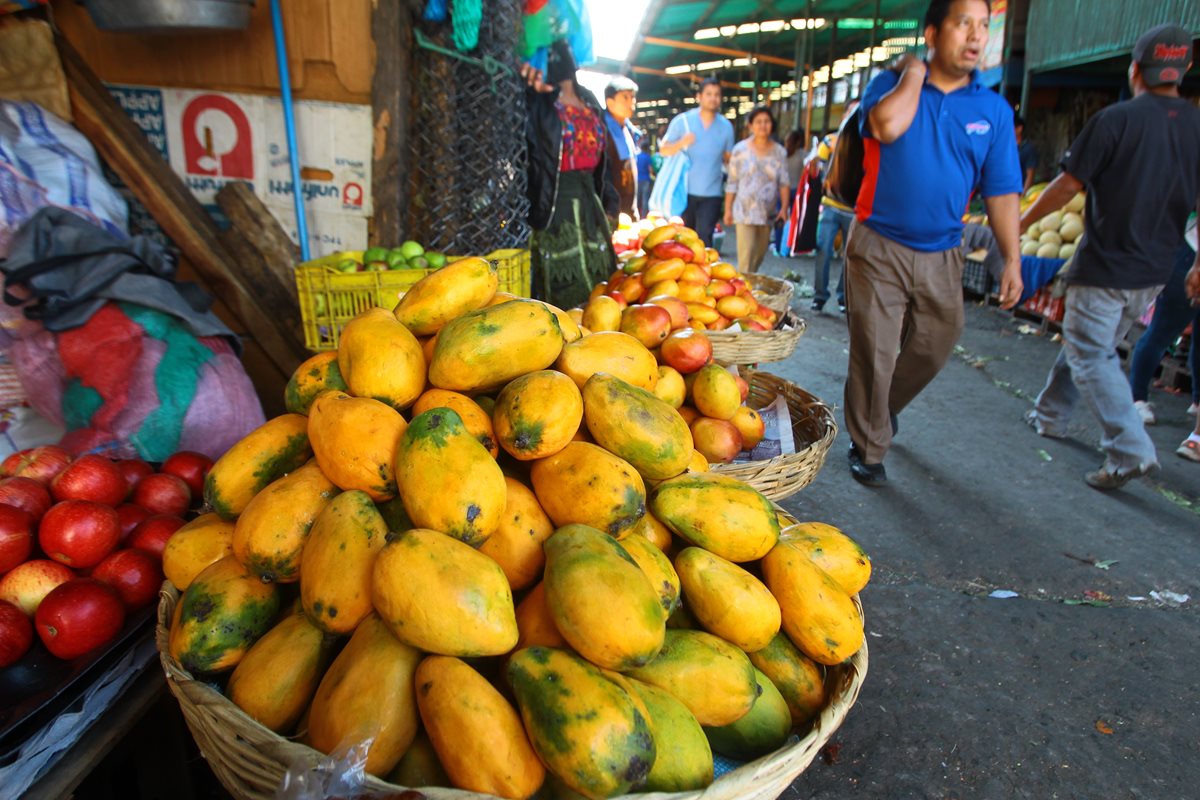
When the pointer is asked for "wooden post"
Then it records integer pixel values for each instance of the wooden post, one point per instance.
(392, 30)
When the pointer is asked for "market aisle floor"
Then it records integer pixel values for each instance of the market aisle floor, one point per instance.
(1035, 696)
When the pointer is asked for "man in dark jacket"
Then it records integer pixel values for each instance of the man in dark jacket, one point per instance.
(619, 98)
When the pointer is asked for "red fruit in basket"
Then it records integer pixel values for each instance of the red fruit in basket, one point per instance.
(649, 324)
(135, 574)
(672, 249)
(716, 439)
(743, 387)
(24, 586)
(16, 537)
(191, 467)
(16, 634)
(131, 516)
(687, 350)
(154, 533)
(93, 478)
(39, 463)
(79, 533)
(78, 617)
(26, 494)
(163, 494)
(675, 307)
(133, 470)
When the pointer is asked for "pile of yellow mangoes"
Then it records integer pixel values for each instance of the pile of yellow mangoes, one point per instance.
(481, 550)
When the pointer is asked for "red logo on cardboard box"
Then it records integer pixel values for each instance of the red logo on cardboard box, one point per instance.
(352, 195)
(216, 138)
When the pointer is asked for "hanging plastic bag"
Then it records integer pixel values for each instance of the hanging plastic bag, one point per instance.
(668, 198)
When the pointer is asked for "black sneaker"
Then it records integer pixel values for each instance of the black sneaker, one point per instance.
(842, 306)
(864, 473)
(818, 305)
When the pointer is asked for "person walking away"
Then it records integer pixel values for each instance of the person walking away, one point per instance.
(1027, 153)
(756, 193)
(1173, 312)
(932, 133)
(645, 176)
(835, 218)
(708, 139)
(794, 146)
(572, 243)
(1140, 163)
(620, 96)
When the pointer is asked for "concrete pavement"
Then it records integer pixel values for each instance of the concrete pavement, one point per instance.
(1035, 696)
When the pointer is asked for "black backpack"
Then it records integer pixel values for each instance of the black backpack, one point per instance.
(844, 176)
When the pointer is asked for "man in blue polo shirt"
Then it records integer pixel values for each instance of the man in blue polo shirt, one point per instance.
(708, 139)
(931, 134)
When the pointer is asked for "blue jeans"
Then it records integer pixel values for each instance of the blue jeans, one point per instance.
(643, 197)
(1172, 313)
(831, 221)
(1096, 321)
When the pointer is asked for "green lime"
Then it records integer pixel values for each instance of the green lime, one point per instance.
(436, 260)
(347, 265)
(320, 305)
(375, 254)
(412, 249)
(420, 262)
(377, 266)
(395, 258)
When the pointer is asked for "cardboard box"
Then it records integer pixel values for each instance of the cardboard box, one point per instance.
(213, 138)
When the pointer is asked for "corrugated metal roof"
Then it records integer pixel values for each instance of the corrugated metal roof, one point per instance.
(1063, 33)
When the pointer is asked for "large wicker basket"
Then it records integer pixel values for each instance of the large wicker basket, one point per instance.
(250, 760)
(813, 430)
(774, 293)
(756, 347)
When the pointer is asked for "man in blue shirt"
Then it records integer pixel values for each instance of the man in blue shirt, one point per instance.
(931, 134)
(708, 139)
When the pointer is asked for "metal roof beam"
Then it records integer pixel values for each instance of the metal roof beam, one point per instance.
(721, 51)
(648, 23)
(681, 75)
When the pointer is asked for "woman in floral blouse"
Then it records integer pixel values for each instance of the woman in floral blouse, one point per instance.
(756, 192)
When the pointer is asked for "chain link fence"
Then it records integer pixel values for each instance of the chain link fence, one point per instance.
(468, 169)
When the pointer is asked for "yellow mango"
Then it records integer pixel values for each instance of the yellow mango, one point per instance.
(637, 426)
(437, 451)
(726, 600)
(795, 675)
(763, 730)
(833, 551)
(616, 353)
(335, 570)
(460, 286)
(658, 534)
(199, 543)
(585, 728)
(670, 387)
(317, 374)
(487, 348)
(354, 440)
(537, 414)
(271, 450)
(478, 736)
(601, 314)
(443, 596)
(270, 534)
(516, 545)
(477, 421)
(818, 616)
(658, 569)
(586, 484)
(715, 392)
(381, 359)
(684, 760)
(601, 601)
(720, 514)
(368, 695)
(535, 623)
(714, 679)
(276, 679)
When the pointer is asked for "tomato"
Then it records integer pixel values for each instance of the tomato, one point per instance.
(163, 494)
(16, 537)
(78, 617)
(192, 467)
(79, 533)
(94, 478)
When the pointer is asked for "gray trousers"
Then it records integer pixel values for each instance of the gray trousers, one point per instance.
(1088, 368)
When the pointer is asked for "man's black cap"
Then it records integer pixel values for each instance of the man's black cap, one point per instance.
(1164, 54)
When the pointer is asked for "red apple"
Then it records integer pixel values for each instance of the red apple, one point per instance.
(192, 467)
(130, 516)
(687, 350)
(26, 494)
(39, 463)
(79, 616)
(25, 586)
(16, 634)
(93, 478)
(135, 574)
(79, 533)
(133, 470)
(163, 494)
(16, 537)
(153, 534)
